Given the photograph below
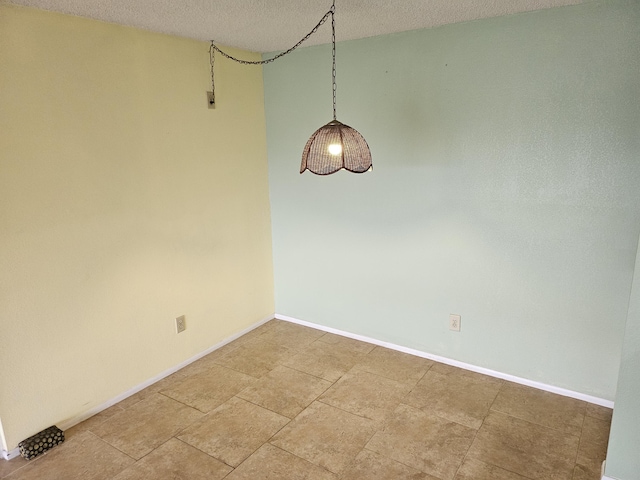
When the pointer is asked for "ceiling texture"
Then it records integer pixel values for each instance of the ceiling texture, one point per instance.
(272, 25)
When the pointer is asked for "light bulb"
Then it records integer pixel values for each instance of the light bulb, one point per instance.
(335, 149)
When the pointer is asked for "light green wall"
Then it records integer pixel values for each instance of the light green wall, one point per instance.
(124, 202)
(504, 189)
(623, 461)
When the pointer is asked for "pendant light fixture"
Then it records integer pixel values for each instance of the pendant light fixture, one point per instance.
(331, 148)
(335, 146)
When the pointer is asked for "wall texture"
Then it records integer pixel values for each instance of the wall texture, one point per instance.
(124, 202)
(504, 189)
(622, 458)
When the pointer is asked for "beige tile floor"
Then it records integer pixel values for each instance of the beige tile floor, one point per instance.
(290, 402)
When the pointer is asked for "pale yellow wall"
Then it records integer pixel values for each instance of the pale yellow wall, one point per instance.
(124, 202)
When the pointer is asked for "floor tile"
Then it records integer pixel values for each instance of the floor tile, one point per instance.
(476, 470)
(146, 425)
(596, 431)
(395, 365)
(85, 457)
(601, 413)
(272, 463)
(581, 472)
(593, 444)
(530, 450)
(175, 460)
(208, 390)
(205, 363)
(353, 345)
(256, 332)
(10, 466)
(456, 395)
(256, 358)
(365, 394)
(425, 442)
(151, 389)
(326, 436)
(285, 391)
(370, 465)
(290, 335)
(92, 422)
(326, 360)
(234, 431)
(540, 407)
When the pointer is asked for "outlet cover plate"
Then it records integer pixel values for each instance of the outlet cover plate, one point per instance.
(181, 324)
(454, 322)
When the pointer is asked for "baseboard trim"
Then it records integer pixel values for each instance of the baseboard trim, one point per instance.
(455, 363)
(70, 422)
(8, 455)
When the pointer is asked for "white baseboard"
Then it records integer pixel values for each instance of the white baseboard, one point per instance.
(8, 455)
(456, 363)
(70, 422)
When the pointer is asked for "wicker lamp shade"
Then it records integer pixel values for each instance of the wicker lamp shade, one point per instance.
(335, 147)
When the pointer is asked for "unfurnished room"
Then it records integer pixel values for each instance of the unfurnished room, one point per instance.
(320, 240)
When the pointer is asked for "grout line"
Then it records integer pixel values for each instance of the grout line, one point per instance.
(466, 454)
(394, 460)
(208, 454)
(502, 385)
(193, 446)
(489, 410)
(113, 446)
(297, 456)
(531, 422)
(580, 437)
(292, 367)
(536, 424)
(346, 411)
(289, 419)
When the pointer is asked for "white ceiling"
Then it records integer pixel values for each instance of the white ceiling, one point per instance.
(270, 25)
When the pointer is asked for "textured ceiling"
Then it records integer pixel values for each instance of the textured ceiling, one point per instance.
(270, 25)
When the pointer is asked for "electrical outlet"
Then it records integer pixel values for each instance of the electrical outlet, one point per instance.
(454, 322)
(181, 324)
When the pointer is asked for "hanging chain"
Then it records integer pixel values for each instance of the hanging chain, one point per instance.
(212, 61)
(331, 13)
(282, 54)
(333, 53)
